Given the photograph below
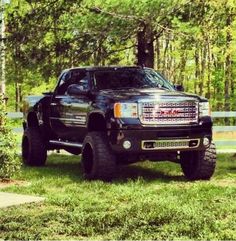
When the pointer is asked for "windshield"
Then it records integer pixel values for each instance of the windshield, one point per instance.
(130, 78)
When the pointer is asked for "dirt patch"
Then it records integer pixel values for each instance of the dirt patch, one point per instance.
(11, 199)
(8, 183)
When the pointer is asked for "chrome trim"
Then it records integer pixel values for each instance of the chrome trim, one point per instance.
(65, 143)
(69, 119)
(80, 120)
(164, 144)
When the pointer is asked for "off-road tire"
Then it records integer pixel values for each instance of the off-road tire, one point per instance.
(199, 165)
(34, 151)
(98, 161)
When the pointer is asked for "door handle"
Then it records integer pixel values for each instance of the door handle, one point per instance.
(53, 104)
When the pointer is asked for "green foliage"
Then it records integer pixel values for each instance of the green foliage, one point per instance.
(147, 201)
(193, 42)
(9, 159)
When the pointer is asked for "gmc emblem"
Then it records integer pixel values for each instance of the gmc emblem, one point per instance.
(172, 112)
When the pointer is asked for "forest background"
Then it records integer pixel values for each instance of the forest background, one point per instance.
(190, 42)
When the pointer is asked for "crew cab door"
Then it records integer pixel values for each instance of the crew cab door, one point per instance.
(69, 112)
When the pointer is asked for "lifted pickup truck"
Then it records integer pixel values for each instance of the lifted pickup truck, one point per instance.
(119, 115)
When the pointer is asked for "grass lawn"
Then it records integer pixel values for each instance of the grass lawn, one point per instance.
(145, 201)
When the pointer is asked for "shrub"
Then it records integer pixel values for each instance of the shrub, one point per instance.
(9, 159)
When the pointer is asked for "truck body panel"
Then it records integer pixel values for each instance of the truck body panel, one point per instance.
(167, 120)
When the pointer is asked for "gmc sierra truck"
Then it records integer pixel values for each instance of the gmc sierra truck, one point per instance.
(119, 115)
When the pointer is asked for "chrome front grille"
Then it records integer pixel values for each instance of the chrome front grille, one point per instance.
(168, 113)
(170, 144)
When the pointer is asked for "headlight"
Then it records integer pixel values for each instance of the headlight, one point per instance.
(204, 109)
(126, 110)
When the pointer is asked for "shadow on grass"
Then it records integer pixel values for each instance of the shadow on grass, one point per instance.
(225, 170)
(70, 166)
(58, 166)
(134, 172)
(226, 165)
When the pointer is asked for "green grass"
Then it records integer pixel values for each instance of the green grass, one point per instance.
(145, 201)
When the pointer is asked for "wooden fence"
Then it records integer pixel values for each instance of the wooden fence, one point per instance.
(216, 129)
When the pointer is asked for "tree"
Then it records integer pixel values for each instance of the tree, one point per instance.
(9, 159)
(190, 42)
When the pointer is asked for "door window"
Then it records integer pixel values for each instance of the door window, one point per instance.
(75, 77)
(63, 84)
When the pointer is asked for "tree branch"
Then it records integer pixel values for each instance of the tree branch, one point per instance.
(120, 50)
(98, 10)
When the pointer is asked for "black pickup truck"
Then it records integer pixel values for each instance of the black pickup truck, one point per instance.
(119, 115)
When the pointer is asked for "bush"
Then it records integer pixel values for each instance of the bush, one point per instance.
(9, 159)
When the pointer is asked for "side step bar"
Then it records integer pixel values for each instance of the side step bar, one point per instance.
(65, 144)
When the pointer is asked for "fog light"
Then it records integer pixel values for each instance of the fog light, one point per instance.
(127, 144)
(206, 141)
(193, 143)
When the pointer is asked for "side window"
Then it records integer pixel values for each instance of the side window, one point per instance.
(62, 87)
(80, 78)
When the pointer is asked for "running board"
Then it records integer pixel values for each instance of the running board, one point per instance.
(66, 144)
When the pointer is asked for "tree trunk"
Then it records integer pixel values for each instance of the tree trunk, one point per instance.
(182, 64)
(3, 57)
(197, 68)
(209, 61)
(158, 54)
(203, 70)
(145, 46)
(170, 61)
(228, 64)
(165, 56)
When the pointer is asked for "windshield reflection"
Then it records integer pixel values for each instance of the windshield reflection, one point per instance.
(124, 79)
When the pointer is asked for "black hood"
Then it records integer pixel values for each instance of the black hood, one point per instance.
(131, 94)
